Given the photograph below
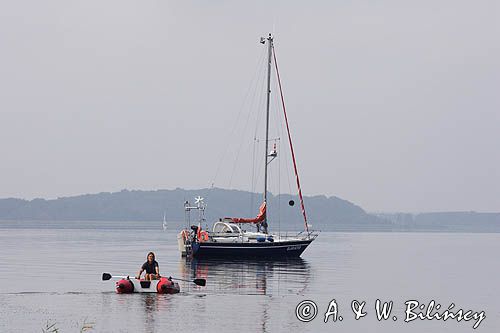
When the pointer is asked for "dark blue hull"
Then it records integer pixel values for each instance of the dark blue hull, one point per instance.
(288, 249)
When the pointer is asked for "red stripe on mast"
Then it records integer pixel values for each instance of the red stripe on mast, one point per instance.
(291, 146)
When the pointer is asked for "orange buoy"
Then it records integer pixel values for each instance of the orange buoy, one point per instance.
(203, 236)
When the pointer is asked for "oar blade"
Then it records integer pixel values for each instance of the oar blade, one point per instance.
(106, 276)
(200, 282)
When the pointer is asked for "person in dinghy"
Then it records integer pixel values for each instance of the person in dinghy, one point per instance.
(151, 267)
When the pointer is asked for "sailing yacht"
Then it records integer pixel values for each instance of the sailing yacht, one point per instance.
(228, 238)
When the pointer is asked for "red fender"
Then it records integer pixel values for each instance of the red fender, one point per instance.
(124, 286)
(166, 286)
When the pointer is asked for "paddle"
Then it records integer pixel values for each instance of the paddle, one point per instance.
(107, 276)
(198, 282)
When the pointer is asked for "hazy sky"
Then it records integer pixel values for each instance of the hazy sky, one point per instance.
(394, 105)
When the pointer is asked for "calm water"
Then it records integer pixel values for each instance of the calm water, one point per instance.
(50, 273)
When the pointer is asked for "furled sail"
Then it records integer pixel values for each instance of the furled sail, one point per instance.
(261, 217)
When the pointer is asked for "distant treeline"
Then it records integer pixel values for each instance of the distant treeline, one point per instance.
(445, 221)
(324, 213)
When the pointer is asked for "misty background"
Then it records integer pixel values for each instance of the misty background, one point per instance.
(393, 105)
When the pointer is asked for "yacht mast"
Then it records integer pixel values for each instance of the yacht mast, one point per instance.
(270, 50)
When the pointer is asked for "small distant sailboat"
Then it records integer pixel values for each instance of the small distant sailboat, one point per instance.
(164, 225)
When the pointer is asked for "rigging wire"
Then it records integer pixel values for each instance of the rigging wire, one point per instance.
(280, 128)
(250, 113)
(242, 140)
(276, 123)
(260, 106)
(253, 175)
(291, 146)
(279, 190)
(258, 67)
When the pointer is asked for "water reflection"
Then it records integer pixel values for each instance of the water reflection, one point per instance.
(154, 304)
(256, 277)
(150, 308)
